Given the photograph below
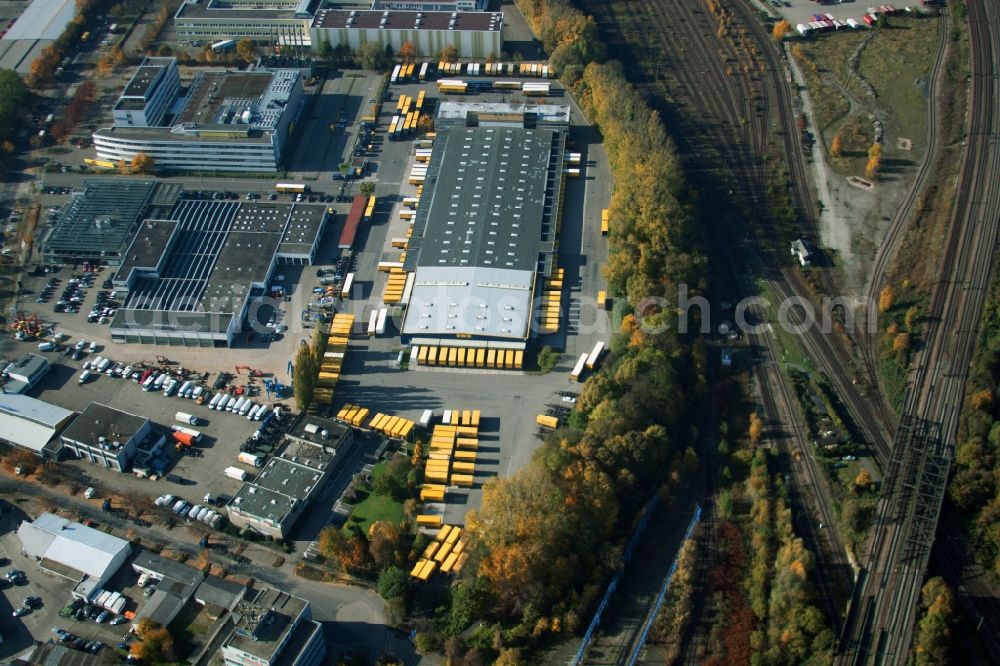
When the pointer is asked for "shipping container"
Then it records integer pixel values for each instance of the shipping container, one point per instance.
(184, 417)
(547, 421)
(236, 473)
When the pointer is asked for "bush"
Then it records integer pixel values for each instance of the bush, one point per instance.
(392, 583)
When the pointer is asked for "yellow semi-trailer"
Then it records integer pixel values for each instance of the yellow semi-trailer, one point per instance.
(547, 421)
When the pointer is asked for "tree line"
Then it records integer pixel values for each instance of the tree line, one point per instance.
(973, 488)
(14, 103)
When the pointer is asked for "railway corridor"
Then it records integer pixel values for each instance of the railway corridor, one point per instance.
(880, 624)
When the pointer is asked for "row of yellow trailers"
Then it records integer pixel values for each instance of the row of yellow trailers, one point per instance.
(461, 417)
(393, 426)
(552, 301)
(452, 455)
(333, 358)
(471, 357)
(446, 551)
(353, 414)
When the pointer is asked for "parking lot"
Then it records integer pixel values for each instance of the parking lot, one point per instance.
(801, 11)
(222, 432)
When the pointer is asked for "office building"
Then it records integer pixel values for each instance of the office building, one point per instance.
(149, 93)
(225, 121)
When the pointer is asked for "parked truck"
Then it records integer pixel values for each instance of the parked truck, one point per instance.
(184, 417)
(250, 459)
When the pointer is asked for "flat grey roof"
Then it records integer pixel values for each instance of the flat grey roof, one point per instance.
(219, 591)
(280, 485)
(547, 113)
(145, 76)
(300, 637)
(220, 251)
(310, 428)
(100, 217)
(99, 420)
(164, 567)
(394, 20)
(484, 195)
(207, 10)
(148, 246)
(264, 622)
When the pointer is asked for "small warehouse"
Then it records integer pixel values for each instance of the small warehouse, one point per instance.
(32, 424)
(82, 554)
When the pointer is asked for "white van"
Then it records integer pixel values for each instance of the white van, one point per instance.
(247, 406)
(182, 393)
(160, 379)
(46, 346)
(214, 401)
(238, 405)
(229, 404)
(149, 383)
(84, 376)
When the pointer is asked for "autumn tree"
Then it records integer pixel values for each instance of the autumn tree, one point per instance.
(246, 50)
(155, 644)
(934, 633)
(874, 165)
(418, 454)
(449, 54)
(886, 298)
(407, 52)
(143, 163)
(863, 481)
(383, 543)
(330, 543)
(901, 342)
(425, 123)
(756, 428)
(836, 147)
(780, 29)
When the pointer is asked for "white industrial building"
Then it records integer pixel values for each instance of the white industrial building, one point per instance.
(38, 26)
(473, 34)
(32, 424)
(22, 375)
(82, 554)
(224, 122)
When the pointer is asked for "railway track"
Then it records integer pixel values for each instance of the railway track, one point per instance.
(720, 102)
(900, 222)
(880, 622)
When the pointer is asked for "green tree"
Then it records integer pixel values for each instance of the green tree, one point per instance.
(933, 641)
(304, 377)
(392, 583)
(371, 55)
(367, 188)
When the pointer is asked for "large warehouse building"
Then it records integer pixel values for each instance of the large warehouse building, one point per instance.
(484, 231)
(191, 279)
(38, 26)
(473, 34)
(225, 122)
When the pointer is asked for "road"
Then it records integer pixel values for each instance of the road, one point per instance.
(353, 616)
